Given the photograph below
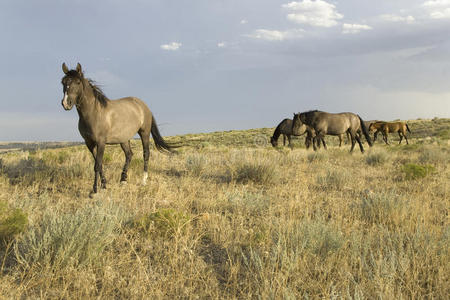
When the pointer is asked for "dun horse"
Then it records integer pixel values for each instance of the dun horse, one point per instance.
(333, 124)
(390, 127)
(103, 121)
(285, 128)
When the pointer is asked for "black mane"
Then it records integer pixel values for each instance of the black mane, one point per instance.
(98, 93)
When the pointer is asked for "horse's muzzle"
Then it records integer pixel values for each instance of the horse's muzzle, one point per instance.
(67, 105)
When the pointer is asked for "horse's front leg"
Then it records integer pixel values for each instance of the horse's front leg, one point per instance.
(289, 141)
(385, 138)
(98, 165)
(93, 149)
(322, 138)
(353, 142)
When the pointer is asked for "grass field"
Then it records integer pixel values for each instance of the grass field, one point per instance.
(231, 217)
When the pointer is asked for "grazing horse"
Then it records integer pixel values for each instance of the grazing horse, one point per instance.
(333, 124)
(389, 127)
(285, 128)
(103, 121)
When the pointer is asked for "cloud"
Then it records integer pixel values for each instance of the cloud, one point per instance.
(397, 18)
(276, 35)
(315, 13)
(221, 44)
(354, 28)
(244, 21)
(438, 9)
(171, 47)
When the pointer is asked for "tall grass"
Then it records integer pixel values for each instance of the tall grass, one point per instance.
(228, 219)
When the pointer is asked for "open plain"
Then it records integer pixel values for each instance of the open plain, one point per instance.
(230, 216)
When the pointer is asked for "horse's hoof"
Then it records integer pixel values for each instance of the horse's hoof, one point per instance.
(92, 194)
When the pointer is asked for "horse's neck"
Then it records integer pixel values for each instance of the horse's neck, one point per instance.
(88, 108)
(277, 133)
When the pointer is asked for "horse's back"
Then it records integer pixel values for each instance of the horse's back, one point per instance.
(125, 117)
(336, 123)
(286, 126)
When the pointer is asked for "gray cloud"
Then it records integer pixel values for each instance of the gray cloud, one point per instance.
(254, 79)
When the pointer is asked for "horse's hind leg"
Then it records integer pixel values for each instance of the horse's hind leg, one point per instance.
(284, 140)
(358, 139)
(385, 137)
(322, 137)
(126, 147)
(401, 137)
(145, 138)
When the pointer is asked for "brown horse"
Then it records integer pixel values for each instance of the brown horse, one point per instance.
(333, 124)
(103, 121)
(389, 127)
(285, 128)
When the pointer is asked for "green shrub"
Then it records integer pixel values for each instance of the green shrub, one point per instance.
(137, 163)
(63, 156)
(68, 240)
(413, 171)
(444, 134)
(433, 155)
(195, 164)
(316, 156)
(335, 180)
(107, 158)
(164, 222)
(376, 158)
(12, 222)
(379, 208)
(256, 172)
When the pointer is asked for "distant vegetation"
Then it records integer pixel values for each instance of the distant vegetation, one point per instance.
(230, 217)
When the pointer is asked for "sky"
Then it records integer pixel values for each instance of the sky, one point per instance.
(213, 65)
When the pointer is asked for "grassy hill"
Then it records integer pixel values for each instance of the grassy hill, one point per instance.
(230, 217)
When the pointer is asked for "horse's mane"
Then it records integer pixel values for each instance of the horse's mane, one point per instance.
(277, 132)
(98, 93)
(307, 116)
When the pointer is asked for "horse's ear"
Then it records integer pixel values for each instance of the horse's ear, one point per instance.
(79, 69)
(65, 68)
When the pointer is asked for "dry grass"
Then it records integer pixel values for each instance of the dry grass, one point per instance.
(224, 221)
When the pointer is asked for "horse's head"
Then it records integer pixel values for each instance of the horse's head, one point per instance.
(72, 86)
(273, 142)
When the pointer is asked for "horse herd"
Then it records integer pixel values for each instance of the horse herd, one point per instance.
(103, 121)
(334, 124)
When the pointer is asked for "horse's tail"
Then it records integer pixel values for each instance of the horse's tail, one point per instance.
(160, 143)
(407, 128)
(365, 131)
